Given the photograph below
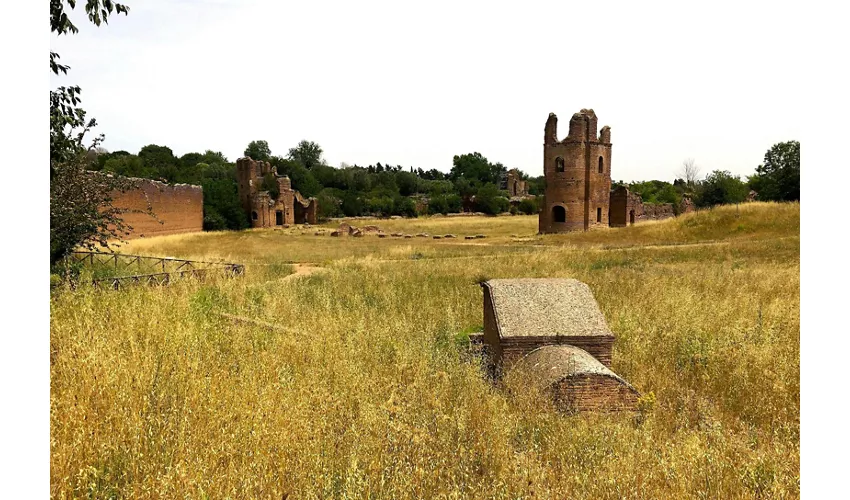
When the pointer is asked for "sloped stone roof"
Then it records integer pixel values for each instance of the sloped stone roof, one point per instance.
(553, 363)
(532, 307)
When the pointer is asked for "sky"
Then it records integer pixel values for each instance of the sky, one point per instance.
(415, 84)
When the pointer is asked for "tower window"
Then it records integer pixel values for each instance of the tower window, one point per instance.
(601, 165)
(559, 214)
(559, 164)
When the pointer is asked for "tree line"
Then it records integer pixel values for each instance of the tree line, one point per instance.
(776, 179)
(82, 214)
(473, 183)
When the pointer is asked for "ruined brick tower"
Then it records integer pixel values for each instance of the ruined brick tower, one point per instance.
(264, 211)
(578, 175)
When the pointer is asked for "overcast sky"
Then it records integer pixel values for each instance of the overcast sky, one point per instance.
(415, 84)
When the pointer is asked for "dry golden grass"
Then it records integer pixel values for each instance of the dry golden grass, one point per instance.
(372, 395)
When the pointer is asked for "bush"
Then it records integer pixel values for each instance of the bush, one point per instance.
(329, 205)
(405, 207)
(529, 206)
(352, 205)
(213, 221)
(721, 187)
(454, 204)
(438, 205)
(270, 184)
(488, 200)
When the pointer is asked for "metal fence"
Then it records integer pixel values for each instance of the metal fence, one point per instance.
(114, 270)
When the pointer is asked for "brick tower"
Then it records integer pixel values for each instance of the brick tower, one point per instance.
(578, 175)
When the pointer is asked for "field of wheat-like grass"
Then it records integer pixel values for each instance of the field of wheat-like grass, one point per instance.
(368, 389)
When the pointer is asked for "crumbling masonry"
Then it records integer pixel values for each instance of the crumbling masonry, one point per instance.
(578, 193)
(264, 211)
(176, 208)
(577, 170)
(552, 332)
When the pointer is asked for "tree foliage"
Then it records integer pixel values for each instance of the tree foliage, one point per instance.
(778, 178)
(476, 169)
(307, 153)
(81, 211)
(259, 151)
(721, 187)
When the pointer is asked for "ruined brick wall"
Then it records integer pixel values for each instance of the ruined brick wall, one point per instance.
(628, 208)
(264, 211)
(513, 349)
(514, 184)
(578, 175)
(658, 212)
(180, 208)
(593, 393)
(306, 209)
(247, 180)
(619, 208)
(270, 212)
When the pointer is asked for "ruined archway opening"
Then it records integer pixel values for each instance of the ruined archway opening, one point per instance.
(278, 217)
(254, 215)
(559, 164)
(631, 217)
(601, 165)
(559, 214)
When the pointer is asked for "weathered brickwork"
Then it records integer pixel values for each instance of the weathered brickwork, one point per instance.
(264, 211)
(592, 392)
(514, 184)
(577, 170)
(552, 333)
(627, 208)
(512, 350)
(179, 208)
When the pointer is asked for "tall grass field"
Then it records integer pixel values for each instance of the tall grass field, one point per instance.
(367, 386)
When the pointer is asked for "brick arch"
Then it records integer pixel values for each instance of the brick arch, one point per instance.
(559, 213)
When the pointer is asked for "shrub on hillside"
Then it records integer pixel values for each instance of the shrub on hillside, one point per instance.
(529, 206)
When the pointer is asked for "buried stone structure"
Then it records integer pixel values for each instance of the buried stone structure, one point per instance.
(552, 332)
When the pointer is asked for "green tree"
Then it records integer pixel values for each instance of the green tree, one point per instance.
(81, 211)
(259, 151)
(721, 187)
(476, 169)
(302, 179)
(161, 160)
(407, 183)
(778, 178)
(222, 209)
(489, 200)
(529, 206)
(306, 153)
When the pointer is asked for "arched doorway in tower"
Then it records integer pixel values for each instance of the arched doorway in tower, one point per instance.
(631, 216)
(559, 214)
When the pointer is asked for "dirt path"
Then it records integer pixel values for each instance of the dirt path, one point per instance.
(302, 269)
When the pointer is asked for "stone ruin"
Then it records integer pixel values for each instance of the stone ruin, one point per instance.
(628, 208)
(290, 207)
(552, 332)
(577, 172)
